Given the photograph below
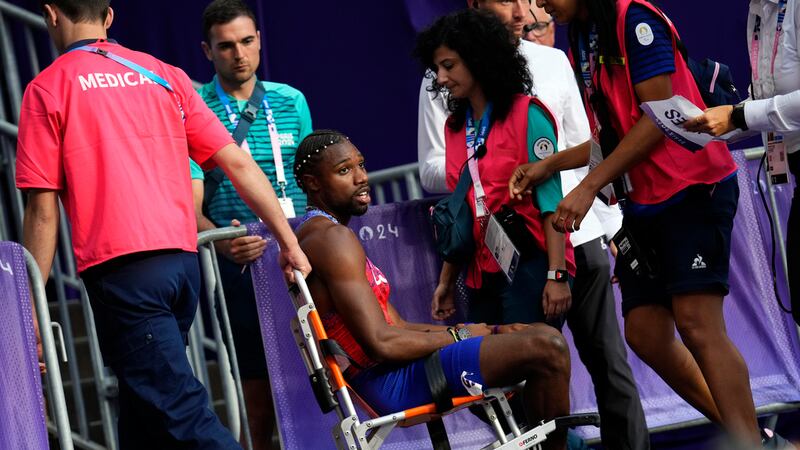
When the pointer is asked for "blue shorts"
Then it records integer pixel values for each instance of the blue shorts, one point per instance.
(389, 388)
(688, 244)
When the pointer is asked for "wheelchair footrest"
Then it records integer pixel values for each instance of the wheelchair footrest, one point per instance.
(577, 420)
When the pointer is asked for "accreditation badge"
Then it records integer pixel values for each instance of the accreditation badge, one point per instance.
(502, 249)
(777, 165)
(287, 205)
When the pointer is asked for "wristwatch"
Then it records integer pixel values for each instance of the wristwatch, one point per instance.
(463, 333)
(737, 117)
(560, 276)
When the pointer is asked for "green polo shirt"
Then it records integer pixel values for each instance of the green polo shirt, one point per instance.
(542, 143)
(293, 120)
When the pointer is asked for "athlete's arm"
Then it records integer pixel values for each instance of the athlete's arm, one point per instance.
(634, 147)
(339, 264)
(400, 322)
(255, 189)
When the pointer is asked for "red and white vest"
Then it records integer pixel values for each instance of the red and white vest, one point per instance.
(507, 148)
(668, 168)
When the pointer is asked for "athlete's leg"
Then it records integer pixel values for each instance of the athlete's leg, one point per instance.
(539, 356)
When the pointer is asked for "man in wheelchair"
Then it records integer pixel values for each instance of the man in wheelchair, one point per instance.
(388, 356)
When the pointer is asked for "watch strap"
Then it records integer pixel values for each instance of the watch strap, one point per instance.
(558, 275)
(737, 117)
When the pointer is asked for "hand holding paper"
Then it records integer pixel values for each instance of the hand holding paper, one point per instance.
(715, 121)
(674, 114)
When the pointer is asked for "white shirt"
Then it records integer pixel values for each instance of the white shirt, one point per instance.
(554, 83)
(769, 113)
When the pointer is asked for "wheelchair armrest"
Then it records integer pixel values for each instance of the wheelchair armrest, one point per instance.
(576, 420)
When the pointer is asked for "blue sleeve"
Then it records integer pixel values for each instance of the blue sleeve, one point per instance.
(541, 144)
(648, 41)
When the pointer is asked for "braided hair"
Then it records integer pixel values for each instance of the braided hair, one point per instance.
(309, 152)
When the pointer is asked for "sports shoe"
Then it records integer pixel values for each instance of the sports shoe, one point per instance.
(771, 439)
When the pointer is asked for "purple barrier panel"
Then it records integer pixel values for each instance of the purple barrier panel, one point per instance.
(783, 200)
(22, 417)
(398, 239)
(766, 337)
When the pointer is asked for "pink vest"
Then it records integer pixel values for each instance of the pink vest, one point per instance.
(507, 146)
(668, 168)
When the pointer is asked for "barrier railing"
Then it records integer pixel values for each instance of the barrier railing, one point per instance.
(389, 185)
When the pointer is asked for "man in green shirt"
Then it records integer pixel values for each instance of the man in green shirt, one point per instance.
(281, 121)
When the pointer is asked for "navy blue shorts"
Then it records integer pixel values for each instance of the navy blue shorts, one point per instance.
(389, 388)
(687, 243)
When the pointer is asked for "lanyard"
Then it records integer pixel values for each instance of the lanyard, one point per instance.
(588, 60)
(136, 67)
(274, 137)
(473, 142)
(755, 48)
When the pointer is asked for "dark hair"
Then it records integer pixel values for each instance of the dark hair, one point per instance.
(81, 10)
(603, 15)
(309, 152)
(489, 53)
(221, 12)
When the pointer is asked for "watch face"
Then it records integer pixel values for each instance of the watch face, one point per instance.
(464, 333)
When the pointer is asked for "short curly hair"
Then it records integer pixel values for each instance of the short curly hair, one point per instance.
(487, 49)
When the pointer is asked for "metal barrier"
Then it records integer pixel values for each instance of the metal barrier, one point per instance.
(223, 337)
(402, 183)
(53, 375)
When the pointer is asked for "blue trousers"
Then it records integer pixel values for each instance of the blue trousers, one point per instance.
(143, 306)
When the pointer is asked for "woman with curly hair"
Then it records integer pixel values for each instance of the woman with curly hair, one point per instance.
(493, 127)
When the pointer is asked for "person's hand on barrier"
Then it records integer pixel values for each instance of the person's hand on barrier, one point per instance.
(525, 178)
(556, 299)
(291, 259)
(242, 250)
(572, 209)
(443, 304)
(714, 121)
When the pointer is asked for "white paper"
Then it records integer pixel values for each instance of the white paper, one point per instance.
(670, 115)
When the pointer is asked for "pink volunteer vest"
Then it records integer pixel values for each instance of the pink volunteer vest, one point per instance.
(669, 168)
(507, 146)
